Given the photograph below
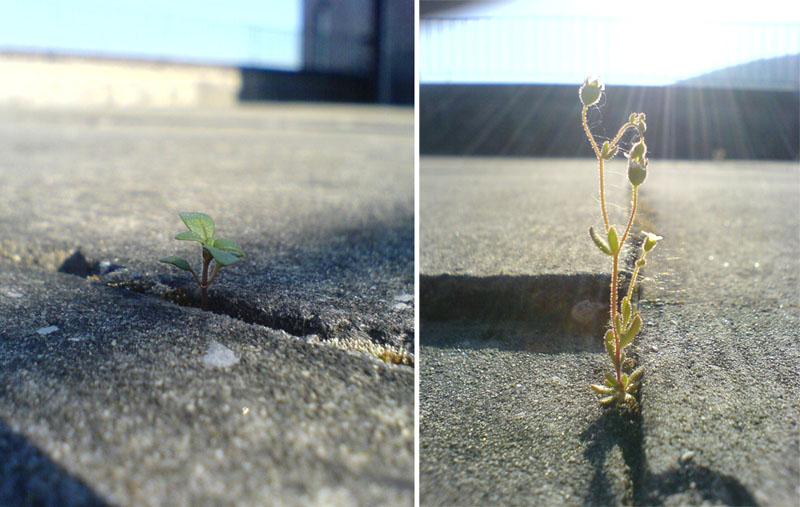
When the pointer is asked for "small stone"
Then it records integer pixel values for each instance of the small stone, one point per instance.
(12, 293)
(686, 457)
(219, 356)
(47, 330)
(404, 298)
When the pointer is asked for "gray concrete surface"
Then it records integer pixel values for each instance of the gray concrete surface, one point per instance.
(506, 415)
(111, 392)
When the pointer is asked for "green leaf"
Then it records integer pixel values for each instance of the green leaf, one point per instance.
(200, 223)
(608, 152)
(226, 244)
(602, 389)
(178, 262)
(611, 380)
(613, 241)
(626, 311)
(618, 321)
(610, 345)
(636, 375)
(610, 399)
(222, 257)
(624, 380)
(600, 242)
(189, 236)
(628, 336)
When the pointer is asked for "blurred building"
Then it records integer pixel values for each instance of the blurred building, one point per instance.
(138, 56)
(369, 39)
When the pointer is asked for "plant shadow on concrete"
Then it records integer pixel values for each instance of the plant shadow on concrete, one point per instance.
(29, 477)
(614, 428)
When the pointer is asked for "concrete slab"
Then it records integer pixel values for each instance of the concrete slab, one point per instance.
(721, 335)
(514, 216)
(722, 347)
(110, 392)
(320, 199)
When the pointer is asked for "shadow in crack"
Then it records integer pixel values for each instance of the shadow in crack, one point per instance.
(543, 314)
(29, 477)
(645, 488)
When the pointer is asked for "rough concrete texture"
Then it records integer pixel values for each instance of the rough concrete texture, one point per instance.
(506, 415)
(493, 216)
(111, 392)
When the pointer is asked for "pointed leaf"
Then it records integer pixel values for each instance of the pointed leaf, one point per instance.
(611, 380)
(608, 152)
(613, 240)
(178, 262)
(610, 345)
(600, 242)
(610, 399)
(602, 389)
(636, 375)
(626, 311)
(226, 244)
(624, 380)
(222, 257)
(628, 336)
(189, 236)
(200, 223)
(618, 321)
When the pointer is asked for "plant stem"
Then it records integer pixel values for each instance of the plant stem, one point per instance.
(600, 166)
(633, 280)
(634, 198)
(621, 131)
(614, 276)
(204, 285)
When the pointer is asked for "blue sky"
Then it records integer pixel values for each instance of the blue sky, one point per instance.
(265, 33)
(625, 41)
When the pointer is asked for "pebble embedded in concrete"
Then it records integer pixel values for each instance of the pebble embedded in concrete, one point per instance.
(219, 356)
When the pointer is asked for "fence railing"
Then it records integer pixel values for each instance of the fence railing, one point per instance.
(556, 49)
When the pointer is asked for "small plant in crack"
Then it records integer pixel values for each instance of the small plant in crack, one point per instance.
(223, 252)
(625, 321)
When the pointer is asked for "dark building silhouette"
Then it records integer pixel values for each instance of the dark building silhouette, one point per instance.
(353, 50)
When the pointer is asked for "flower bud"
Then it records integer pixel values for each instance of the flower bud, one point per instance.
(641, 125)
(591, 90)
(637, 171)
(638, 151)
(650, 241)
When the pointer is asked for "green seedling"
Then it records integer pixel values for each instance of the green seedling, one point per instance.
(223, 252)
(625, 321)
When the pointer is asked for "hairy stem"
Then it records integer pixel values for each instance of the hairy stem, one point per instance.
(634, 198)
(599, 164)
(614, 275)
(633, 279)
(620, 133)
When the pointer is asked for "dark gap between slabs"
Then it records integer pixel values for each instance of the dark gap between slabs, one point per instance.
(183, 292)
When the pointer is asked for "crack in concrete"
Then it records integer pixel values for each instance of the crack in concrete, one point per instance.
(339, 333)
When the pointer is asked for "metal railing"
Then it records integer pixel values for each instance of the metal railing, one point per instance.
(559, 49)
